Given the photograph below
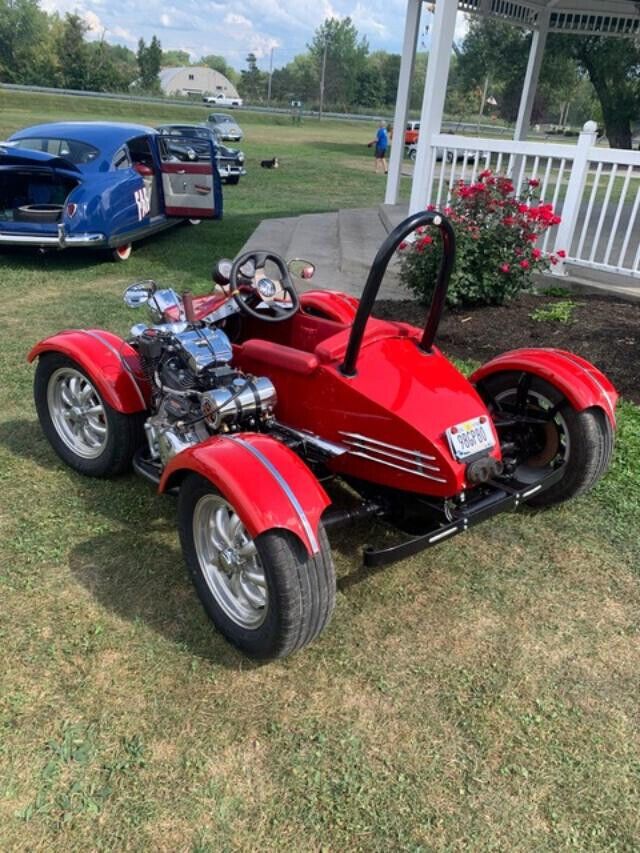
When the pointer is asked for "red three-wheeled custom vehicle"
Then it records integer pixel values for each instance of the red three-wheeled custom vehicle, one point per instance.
(253, 401)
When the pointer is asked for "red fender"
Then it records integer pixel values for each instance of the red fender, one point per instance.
(330, 304)
(108, 360)
(580, 382)
(268, 485)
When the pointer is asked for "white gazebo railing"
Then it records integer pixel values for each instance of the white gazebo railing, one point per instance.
(596, 191)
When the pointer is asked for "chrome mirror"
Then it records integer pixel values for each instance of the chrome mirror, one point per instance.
(301, 268)
(139, 293)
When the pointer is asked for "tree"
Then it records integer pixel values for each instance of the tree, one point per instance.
(219, 63)
(345, 59)
(27, 53)
(175, 58)
(613, 67)
(253, 82)
(149, 62)
(73, 56)
(498, 52)
(112, 68)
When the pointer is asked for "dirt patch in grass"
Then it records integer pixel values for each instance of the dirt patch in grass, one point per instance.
(604, 330)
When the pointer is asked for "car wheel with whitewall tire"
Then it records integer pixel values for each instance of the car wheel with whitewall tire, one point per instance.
(539, 427)
(122, 253)
(83, 429)
(266, 594)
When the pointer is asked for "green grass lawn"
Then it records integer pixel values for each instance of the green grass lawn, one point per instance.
(482, 696)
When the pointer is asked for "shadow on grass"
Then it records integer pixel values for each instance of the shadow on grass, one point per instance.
(134, 572)
(142, 580)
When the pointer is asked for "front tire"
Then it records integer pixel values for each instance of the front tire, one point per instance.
(581, 440)
(122, 253)
(83, 429)
(266, 595)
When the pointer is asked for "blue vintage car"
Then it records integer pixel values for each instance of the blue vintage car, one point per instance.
(100, 184)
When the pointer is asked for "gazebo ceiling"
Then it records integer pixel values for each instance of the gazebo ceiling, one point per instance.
(580, 17)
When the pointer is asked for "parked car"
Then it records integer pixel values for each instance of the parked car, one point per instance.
(230, 161)
(411, 132)
(222, 100)
(98, 184)
(225, 126)
(412, 150)
(316, 415)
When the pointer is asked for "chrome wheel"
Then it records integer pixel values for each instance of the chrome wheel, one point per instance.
(77, 412)
(229, 562)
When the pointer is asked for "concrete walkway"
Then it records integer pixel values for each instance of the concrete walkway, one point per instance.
(343, 245)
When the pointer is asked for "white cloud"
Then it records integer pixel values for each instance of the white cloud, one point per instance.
(234, 28)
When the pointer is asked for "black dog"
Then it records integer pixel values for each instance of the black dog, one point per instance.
(270, 164)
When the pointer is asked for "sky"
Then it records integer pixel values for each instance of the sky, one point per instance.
(238, 27)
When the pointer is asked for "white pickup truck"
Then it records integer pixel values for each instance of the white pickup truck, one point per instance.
(222, 100)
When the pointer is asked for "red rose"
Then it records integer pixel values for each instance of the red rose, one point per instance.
(534, 182)
(525, 265)
(561, 253)
(537, 254)
(505, 268)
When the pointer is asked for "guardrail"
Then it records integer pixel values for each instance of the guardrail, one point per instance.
(453, 126)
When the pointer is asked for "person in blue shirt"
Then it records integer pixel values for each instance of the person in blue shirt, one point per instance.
(381, 143)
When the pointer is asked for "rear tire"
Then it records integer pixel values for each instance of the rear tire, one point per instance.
(97, 442)
(232, 180)
(583, 440)
(266, 595)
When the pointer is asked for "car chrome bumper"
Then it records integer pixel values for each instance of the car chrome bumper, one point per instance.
(57, 241)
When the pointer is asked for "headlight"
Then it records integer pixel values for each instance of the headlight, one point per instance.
(240, 157)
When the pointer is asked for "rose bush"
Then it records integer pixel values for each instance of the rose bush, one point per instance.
(496, 233)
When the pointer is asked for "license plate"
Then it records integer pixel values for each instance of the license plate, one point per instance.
(470, 437)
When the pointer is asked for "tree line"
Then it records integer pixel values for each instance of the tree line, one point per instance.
(581, 77)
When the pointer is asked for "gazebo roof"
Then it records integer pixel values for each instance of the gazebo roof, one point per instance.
(580, 17)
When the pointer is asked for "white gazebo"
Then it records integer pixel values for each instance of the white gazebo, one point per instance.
(571, 174)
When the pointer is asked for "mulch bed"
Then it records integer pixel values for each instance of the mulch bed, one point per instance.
(604, 330)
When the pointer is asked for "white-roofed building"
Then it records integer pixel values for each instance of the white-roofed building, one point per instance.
(196, 80)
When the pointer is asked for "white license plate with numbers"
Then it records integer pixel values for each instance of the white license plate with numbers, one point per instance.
(470, 437)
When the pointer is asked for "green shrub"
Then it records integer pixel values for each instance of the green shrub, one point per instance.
(496, 235)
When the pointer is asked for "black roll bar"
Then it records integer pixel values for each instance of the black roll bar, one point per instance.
(376, 274)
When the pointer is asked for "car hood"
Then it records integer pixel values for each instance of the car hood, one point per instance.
(12, 155)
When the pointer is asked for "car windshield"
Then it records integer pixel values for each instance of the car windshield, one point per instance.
(199, 132)
(220, 118)
(70, 149)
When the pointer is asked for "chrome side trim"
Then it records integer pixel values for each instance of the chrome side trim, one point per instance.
(413, 471)
(286, 488)
(324, 445)
(57, 242)
(412, 453)
(417, 459)
(118, 355)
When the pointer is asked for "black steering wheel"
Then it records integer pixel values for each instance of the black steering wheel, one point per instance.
(266, 289)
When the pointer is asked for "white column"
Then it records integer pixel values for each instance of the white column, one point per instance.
(403, 97)
(536, 53)
(575, 191)
(435, 89)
